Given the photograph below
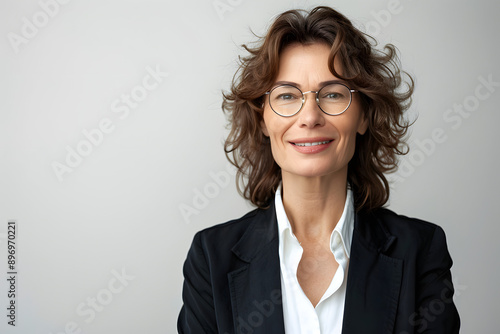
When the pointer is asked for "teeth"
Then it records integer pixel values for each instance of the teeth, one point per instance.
(313, 144)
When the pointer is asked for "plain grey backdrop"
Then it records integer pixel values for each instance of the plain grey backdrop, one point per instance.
(111, 151)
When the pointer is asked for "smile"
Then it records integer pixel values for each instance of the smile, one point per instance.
(313, 143)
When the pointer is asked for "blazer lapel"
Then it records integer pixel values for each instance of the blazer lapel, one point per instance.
(255, 286)
(374, 280)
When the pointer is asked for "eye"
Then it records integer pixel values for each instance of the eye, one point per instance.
(334, 93)
(332, 96)
(286, 97)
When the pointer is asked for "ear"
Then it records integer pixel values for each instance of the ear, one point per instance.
(363, 125)
(263, 127)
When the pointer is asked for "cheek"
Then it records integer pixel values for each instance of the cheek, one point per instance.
(275, 129)
(348, 130)
(347, 126)
(347, 145)
(353, 122)
(272, 124)
(276, 138)
(360, 116)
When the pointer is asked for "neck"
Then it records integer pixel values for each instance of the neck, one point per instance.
(314, 205)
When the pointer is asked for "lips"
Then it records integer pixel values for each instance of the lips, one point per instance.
(311, 145)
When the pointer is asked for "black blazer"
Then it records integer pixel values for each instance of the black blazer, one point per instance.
(399, 278)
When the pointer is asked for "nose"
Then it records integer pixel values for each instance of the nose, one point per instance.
(310, 115)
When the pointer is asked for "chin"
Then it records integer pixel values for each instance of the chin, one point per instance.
(313, 170)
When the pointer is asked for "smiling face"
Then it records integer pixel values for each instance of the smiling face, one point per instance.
(311, 143)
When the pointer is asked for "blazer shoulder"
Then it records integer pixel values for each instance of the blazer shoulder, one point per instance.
(228, 232)
(409, 230)
(398, 222)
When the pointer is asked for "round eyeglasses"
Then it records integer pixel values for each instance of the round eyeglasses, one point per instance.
(333, 99)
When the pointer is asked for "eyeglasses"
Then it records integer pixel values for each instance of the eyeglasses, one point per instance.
(333, 99)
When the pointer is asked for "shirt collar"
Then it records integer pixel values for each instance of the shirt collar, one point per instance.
(344, 226)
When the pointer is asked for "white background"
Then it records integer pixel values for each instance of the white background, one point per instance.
(120, 208)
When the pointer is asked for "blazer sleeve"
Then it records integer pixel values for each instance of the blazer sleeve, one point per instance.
(198, 313)
(435, 309)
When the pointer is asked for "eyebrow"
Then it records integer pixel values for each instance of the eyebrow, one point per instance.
(321, 84)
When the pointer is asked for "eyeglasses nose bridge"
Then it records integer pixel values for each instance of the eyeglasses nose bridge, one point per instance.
(315, 98)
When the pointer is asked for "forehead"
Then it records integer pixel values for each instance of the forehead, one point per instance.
(305, 65)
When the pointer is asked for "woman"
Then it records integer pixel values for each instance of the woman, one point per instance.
(316, 120)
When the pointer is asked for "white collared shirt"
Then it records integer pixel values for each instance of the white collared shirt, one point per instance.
(300, 316)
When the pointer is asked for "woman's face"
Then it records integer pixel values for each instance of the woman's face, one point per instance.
(332, 138)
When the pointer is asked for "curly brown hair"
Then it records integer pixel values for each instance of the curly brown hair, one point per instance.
(374, 73)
